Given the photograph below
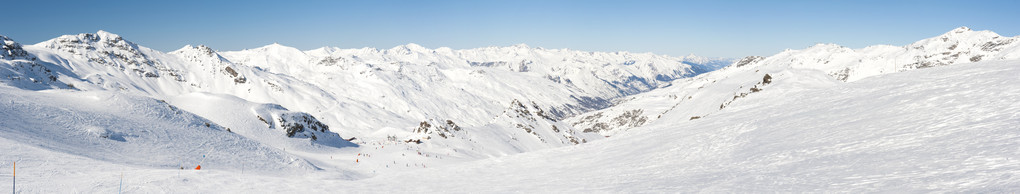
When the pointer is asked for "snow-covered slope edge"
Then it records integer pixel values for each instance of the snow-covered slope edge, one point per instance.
(708, 93)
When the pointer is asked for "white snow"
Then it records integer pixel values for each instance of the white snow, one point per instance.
(939, 129)
(80, 111)
(709, 93)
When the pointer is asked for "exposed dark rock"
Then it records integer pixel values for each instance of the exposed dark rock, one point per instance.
(11, 50)
(299, 123)
(748, 60)
(975, 58)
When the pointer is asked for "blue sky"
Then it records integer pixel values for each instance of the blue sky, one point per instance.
(708, 28)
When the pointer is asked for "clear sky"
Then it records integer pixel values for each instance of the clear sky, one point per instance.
(707, 28)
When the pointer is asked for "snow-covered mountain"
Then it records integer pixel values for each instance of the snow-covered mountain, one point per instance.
(702, 96)
(492, 101)
(564, 81)
(81, 108)
(940, 129)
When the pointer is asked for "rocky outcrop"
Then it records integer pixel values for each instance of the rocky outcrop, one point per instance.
(445, 129)
(112, 50)
(12, 50)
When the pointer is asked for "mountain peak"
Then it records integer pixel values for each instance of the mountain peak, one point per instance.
(324, 50)
(963, 35)
(274, 45)
(100, 38)
(107, 35)
(413, 46)
(99, 41)
(961, 29)
(203, 47)
(828, 47)
(200, 49)
(521, 45)
(278, 47)
(408, 48)
(964, 31)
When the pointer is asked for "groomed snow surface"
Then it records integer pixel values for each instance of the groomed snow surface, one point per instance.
(951, 128)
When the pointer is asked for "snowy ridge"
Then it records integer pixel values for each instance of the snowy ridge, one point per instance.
(701, 96)
(961, 45)
(593, 78)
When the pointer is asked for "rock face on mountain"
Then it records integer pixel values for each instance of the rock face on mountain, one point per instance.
(11, 50)
(708, 93)
(296, 124)
(20, 68)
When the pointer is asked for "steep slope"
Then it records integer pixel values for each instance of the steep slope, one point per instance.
(129, 130)
(263, 122)
(704, 95)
